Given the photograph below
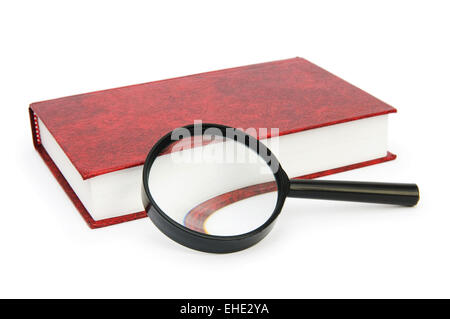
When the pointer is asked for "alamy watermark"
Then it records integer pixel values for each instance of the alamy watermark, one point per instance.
(210, 145)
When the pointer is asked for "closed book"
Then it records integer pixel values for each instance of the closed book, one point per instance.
(95, 143)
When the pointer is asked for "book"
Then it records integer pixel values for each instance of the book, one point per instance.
(95, 143)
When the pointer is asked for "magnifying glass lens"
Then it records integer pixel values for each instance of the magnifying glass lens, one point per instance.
(213, 184)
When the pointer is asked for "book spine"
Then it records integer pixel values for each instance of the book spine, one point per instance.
(34, 128)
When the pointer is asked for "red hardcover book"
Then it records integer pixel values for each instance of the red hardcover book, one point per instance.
(95, 144)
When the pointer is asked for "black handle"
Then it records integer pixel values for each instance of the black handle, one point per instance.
(368, 192)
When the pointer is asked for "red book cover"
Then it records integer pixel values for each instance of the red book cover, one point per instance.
(110, 130)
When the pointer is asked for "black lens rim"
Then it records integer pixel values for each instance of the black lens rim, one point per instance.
(206, 242)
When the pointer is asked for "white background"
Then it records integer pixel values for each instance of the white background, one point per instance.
(398, 51)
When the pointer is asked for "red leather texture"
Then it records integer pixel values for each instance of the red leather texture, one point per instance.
(109, 130)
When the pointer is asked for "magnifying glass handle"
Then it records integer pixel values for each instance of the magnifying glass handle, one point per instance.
(367, 192)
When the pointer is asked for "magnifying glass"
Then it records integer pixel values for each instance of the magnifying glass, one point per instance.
(217, 189)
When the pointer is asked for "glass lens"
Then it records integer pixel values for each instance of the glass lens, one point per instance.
(214, 185)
